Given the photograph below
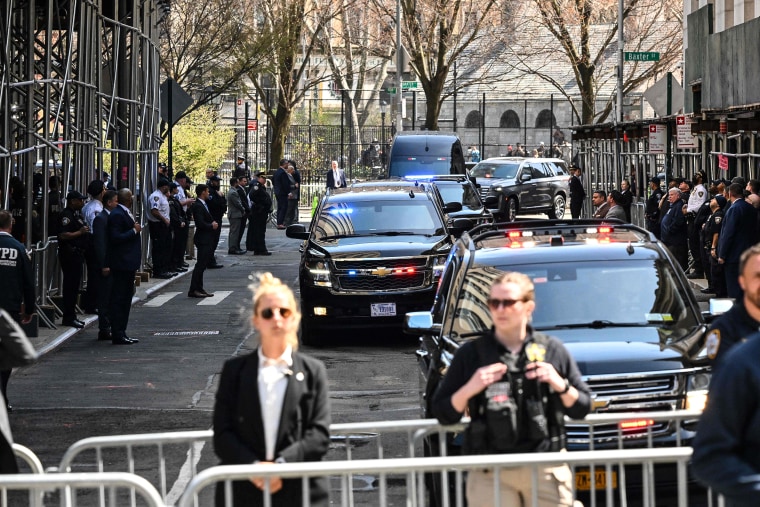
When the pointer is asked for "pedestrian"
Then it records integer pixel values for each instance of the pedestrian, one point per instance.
(290, 214)
(547, 385)
(159, 227)
(178, 219)
(16, 351)
(245, 201)
(217, 206)
(17, 297)
(601, 205)
(627, 199)
(92, 208)
(241, 168)
(474, 154)
(235, 214)
(272, 405)
(577, 192)
(281, 184)
(726, 448)
(737, 235)
(123, 260)
(697, 197)
(183, 185)
(674, 230)
(73, 238)
(103, 272)
(205, 231)
(261, 207)
(652, 210)
(297, 178)
(335, 176)
(616, 209)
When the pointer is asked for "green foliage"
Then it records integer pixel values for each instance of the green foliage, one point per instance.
(198, 143)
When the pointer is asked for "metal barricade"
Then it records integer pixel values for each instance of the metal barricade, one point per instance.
(47, 277)
(67, 486)
(31, 459)
(412, 470)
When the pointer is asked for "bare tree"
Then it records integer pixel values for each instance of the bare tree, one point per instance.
(576, 41)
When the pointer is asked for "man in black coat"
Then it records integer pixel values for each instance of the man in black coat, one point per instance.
(217, 206)
(205, 232)
(100, 253)
(577, 192)
(242, 192)
(281, 184)
(73, 239)
(674, 230)
(261, 206)
(123, 260)
(737, 234)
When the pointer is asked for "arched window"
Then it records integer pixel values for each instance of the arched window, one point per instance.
(509, 120)
(545, 120)
(473, 120)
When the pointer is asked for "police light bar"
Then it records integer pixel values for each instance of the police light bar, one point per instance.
(636, 424)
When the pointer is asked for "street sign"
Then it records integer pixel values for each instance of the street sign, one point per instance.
(684, 136)
(657, 138)
(642, 56)
(253, 124)
(406, 85)
(392, 91)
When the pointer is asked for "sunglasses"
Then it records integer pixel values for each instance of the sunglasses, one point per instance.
(268, 313)
(494, 303)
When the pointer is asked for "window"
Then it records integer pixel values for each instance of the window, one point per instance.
(545, 120)
(474, 120)
(509, 120)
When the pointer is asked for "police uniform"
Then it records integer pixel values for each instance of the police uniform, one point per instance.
(731, 328)
(717, 277)
(71, 256)
(160, 230)
(178, 221)
(261, 206)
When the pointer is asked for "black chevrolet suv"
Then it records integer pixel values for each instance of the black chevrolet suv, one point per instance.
(374, 251)
(609, 291)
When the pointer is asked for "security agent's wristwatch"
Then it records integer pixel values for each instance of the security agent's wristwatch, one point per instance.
(567, 387)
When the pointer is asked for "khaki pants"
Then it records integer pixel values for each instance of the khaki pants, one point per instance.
(554, 487)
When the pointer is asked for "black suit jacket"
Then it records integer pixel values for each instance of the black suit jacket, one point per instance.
(204, 230)
(331, 183)
(124, 246)
(100, 238)
(303, 435)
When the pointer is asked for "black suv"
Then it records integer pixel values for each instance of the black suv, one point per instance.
(374, 252)
(459, 189)
(609, 291)
(524, 185)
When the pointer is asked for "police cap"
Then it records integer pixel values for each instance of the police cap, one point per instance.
(73, 194)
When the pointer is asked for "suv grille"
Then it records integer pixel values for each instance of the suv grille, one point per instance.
(372, 275)
(641, 393)
(484, 191)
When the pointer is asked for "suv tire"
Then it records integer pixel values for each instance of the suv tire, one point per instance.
(557, 212)
(508, 208)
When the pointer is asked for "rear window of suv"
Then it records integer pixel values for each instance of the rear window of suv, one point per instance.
(593, 294)
(494, 170)
(386, 217)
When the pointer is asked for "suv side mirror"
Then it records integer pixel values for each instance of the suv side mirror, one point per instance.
(525, 176)
(418, 323)
(452, 207)
(297, 231)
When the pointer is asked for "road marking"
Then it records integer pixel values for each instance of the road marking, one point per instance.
(163, 298)
(216, 299)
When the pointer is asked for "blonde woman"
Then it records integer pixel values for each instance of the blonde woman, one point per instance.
(272, 404)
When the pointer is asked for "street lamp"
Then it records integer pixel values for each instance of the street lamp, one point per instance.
(383, 110)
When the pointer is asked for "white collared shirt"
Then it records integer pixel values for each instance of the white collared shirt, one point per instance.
(91, 210)
(272, 383)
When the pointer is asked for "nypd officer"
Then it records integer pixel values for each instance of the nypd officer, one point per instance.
(159, 226)
(652, 210)
(17, 297)
(261, 206)
(73, 238)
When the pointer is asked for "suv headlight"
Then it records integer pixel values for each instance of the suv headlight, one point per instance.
(697, 386)
(497, 189)
(319, 272)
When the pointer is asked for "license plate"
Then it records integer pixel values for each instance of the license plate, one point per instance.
(583, 480)
(383, 309)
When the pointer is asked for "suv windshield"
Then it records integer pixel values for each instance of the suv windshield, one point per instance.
(378, 217)
(492, 170)
(463, 193)
(587, 295)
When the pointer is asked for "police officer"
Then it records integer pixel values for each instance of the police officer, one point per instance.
(518, 385)
(652, 213)
(178, 221)
(159, 226)
(261, 206)
(743, 319)
(73, 238)
(217, 206)
(92, 208)
(697, 197)
(577, 192)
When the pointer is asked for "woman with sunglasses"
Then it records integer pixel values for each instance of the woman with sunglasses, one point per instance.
(517, 386)
(272, 404)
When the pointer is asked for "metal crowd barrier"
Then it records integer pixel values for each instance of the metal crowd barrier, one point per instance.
(413, 469)
(31, 459)
(68, 485)
(47, 277)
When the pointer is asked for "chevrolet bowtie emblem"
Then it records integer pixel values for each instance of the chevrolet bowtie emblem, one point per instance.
(599, 404)
(381, 271)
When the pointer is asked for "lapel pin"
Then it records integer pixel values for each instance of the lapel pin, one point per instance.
(299, 376)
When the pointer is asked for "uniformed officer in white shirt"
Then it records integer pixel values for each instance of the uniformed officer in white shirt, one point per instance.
(697, 198)
(160, 230)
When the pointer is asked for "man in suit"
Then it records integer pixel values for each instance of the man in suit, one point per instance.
(123, 259)
(217, 206)
(242, 190)
(205, 230)
(335, 176)
(737, 234)
(235, 213)
(615, 200)
(281, 184)
(100, 253)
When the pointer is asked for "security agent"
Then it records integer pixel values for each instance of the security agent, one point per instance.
(217, 206)
(261, 206)
(159, 226)
(73, 239)
(652, 210)
(518, 385)
(743, 319)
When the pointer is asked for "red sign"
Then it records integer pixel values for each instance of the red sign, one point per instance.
(723, 162)
(253, 124)
(240, 102)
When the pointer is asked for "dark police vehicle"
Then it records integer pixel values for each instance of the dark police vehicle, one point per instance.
(425, 153)
(374, 252)
(611, 293)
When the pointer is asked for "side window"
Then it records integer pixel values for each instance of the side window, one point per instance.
(442, 295)
(539, 170)
(559, 168)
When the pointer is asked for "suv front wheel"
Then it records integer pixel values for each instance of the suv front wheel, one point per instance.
(508, 208)
(557, 212)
